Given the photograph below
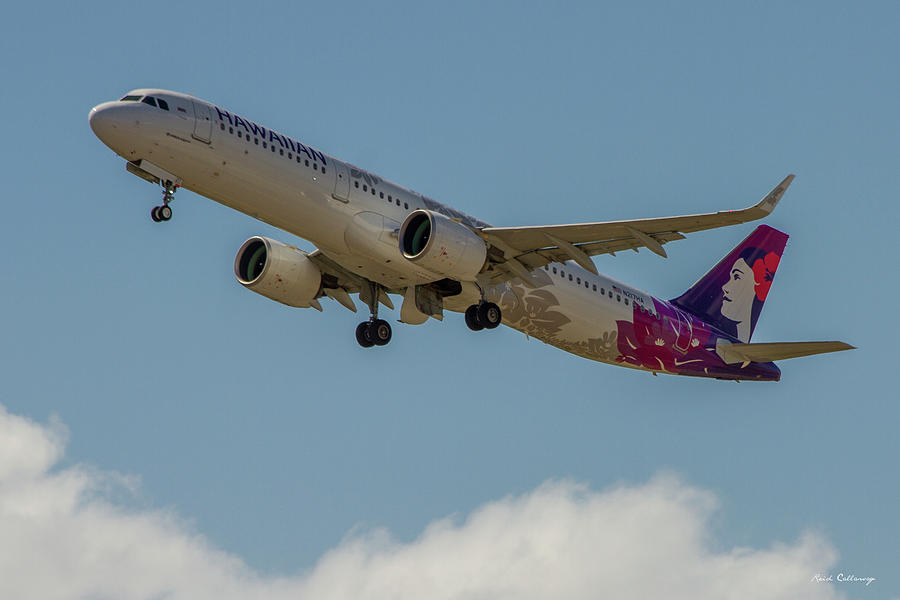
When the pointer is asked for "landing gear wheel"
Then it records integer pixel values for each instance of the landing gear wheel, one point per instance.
(364, 335)
(472, 320)
(489, 315)
(164, 212)
(380, 332)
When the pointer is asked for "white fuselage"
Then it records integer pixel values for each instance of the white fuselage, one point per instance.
(351, 215)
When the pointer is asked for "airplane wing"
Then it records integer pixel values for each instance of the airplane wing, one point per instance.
(772, 351)
(528, 248)
(338, 283)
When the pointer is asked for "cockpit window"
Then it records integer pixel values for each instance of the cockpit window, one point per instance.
(130, 99)
(162, 104)
(149, 100)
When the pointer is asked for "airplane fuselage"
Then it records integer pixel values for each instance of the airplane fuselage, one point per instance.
(353, 217)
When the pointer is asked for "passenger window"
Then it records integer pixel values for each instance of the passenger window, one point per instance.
(356, 183)
(626, 301)
(307, 162)
(323, 170)
(406, 206)
(578, 280)
(618, 298)
(570, 277)
(239, 133)
(264, 145)
(150, 101)
(586, 285)
(231, 130)
(298, 162)
(610, 293)
(595, 287)
(222, 125)
(602, 292)
(373, 191)
(281, 152)
(290, 154)
(315, 166)
(163, 104)
(365, 188)
(256, 141)
(554, 270)
(398, 201)
(390, 199)
(273, 147)
(381, 195)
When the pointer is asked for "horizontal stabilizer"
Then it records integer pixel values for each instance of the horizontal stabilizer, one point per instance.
(772, 351)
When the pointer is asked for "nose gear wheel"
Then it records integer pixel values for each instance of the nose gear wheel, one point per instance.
(164, 211)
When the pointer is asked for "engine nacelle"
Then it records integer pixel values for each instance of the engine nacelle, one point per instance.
(441, 245)
(277, 271)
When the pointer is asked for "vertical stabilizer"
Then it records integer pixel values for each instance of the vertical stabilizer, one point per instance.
(732, 294)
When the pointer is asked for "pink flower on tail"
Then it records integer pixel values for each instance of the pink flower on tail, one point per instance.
(764, 274)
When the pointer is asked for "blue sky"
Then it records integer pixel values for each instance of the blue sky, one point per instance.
(268, 431)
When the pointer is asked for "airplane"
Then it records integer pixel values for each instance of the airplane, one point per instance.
(375, 239)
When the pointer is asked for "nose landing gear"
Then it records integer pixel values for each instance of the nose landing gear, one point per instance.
(486, 315)
(164, 211)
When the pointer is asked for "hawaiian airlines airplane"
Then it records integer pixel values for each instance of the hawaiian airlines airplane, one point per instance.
(376, 238)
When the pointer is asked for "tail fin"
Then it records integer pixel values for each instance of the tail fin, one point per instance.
(732, 294)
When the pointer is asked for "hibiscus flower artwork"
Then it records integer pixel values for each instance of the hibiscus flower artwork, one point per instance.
(764, 274)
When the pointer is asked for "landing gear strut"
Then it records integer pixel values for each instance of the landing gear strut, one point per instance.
(485, 315)
(164, 211)
(375, 331)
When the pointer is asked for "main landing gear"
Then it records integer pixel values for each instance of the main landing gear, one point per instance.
(164, 212)
(486, 315)
(375, 331)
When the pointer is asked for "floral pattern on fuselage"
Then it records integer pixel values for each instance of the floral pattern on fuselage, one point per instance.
(531, 309)
(664, 341)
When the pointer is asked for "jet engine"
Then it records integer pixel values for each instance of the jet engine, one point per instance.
(278, 271)
(441, 245)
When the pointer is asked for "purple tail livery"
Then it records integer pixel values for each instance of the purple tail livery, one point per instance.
(731, 296)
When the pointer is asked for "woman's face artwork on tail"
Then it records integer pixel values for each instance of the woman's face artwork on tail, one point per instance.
(738, 293)
(747, 284)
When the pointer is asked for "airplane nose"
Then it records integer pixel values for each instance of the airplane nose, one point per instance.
(101, 121)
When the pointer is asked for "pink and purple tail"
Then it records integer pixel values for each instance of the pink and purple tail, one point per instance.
(731, 296)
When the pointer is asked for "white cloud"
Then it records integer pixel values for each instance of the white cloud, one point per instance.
(61, 537)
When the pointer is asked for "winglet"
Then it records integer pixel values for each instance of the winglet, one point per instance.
(769, 203)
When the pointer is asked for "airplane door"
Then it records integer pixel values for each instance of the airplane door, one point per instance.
(203, 122)
(341, 183)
